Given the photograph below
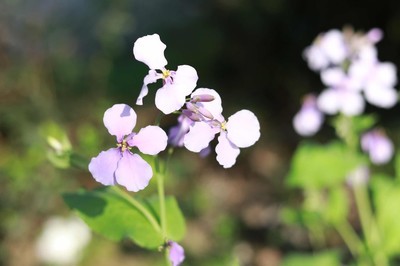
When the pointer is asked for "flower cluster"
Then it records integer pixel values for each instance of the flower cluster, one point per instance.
(200, 120)
(120, 165)
(349, 67)
(201, 115)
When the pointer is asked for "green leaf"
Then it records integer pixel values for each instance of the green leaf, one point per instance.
(328, 258)
(319, 166)
(114, 217)
(386, 192)
(175, 225)
(337, 206)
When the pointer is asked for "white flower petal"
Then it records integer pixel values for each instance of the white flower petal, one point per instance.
(381, 96)
(332, 76)
(169, 99)
(150, 50)
(151, 77)
(186, 79)
(199, 136)
(334, 46)
(328, 101)
(352, 103)
(215, 106)
(226, 151)
(243, 128)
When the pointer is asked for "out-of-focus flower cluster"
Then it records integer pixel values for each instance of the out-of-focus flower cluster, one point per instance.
(348, 65)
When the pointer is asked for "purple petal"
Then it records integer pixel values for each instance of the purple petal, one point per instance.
(243, 128)
(151, 77)
(176, 253)
(178, 132)
(226, 151)
(133, 172)
(199, 136)
(214, 106)
(150, 50)
(169, 99)
(308, 121)
(120, 120)
(150, 140)
(378, 146)
(104, 165)
(186, 79)
(375, 35)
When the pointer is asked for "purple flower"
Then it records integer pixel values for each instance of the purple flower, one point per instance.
(176, 253)
(176, 84)
(120, 165)
(378, 146)
(241, 130)
(178, 132)
(309, 119)
(202, 106)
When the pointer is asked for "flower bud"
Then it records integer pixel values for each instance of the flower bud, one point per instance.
(191, 115)
(205, 112)
(202, 98)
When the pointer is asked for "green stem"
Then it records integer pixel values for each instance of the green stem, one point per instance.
(138, 206)
(369, 225)
(350, 237)
(161, 197)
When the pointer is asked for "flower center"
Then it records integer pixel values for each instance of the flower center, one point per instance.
(223, 126)
(124, 145)
(166, 73)
(167, 76)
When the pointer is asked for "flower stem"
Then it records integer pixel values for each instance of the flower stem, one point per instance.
(138, 206)
(350, 237)
(369, 226)
(161, 197)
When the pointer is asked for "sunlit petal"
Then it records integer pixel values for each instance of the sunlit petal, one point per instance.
(104, 165)
(133, 172)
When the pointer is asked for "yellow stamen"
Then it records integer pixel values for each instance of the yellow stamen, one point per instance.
(166, 73)
(223, 126)
(124, 146)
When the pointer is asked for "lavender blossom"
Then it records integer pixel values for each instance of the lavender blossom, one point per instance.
(176, 84)
(120, 165)
(176, 253)
(378, 146)
(309, 119)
